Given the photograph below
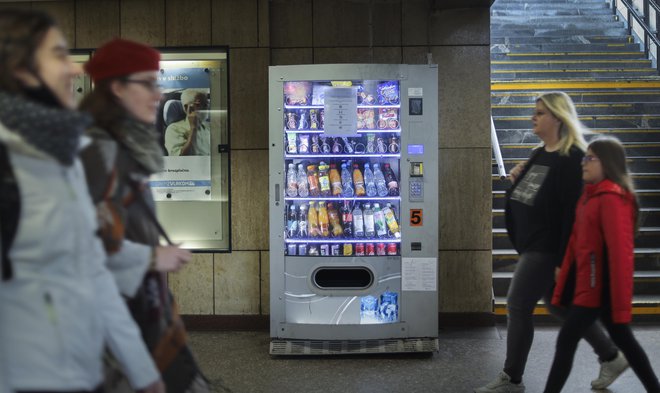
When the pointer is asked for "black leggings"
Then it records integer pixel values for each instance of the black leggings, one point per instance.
(579, 319)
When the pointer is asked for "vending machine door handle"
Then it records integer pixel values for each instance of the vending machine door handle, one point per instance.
(277, 192)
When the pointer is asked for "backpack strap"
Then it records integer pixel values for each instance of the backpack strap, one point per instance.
(10, 207)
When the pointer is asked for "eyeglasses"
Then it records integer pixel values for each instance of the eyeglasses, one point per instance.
(589, 158)
(149, 85)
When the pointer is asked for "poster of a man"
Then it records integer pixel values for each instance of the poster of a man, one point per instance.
(190, 136)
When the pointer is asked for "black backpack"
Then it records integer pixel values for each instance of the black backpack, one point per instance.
(10, 207)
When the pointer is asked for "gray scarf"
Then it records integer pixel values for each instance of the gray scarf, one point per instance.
(54, 131)
(141, 140)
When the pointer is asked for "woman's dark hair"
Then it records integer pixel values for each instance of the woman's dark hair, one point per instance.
(612, 156)
(104, 106)
(21, 33)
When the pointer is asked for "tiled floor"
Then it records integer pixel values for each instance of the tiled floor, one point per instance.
(239, 362)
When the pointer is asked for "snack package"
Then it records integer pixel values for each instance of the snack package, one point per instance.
(388, 93)
(365, 95)
(297, 93)
(314, 119)
(366, 119)
(318, 95)
(388, 118)
(315, 147)
(291, 147)
(371, 143)
(290, 120)
(303, 120)
(303, 146)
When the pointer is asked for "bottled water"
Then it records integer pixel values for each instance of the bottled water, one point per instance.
(346, 182)
(291, 182)
(358, 221)
(379, 178)
(369, 181)
(369, 224)
(303, 187)
(379, 221)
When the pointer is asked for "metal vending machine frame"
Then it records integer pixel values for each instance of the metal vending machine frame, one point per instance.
(324, 303)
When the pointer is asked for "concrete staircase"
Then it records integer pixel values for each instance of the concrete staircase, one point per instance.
(581, 47)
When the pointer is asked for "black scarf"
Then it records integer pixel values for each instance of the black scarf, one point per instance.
(43, 124)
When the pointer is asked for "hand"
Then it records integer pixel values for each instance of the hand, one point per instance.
(171, 258)
(156, 387)
(516, 171)
(193, 118)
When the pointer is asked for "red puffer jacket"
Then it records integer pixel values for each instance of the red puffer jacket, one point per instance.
(604, 218)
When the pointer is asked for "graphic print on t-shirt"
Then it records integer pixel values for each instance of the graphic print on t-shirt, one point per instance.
(530, 185)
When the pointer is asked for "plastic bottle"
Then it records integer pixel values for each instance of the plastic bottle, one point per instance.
(313, 180)
(369, 224)
(358, 180)
(358, 221)
(291, 181)
(324, 222)
(369, 181)
(379, 221)
(302, 222)
(347, 220)
(392, 225)
(346, 182)
(381, 186)
(292, 222)
(324, 179)
(335, 225)
(303, 185)
(313, 220)
(335, 180)
(390, 178)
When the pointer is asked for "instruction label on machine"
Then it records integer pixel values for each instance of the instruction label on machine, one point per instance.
(419, 274)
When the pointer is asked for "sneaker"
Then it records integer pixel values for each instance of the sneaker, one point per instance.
(501, 384)
(610, 371)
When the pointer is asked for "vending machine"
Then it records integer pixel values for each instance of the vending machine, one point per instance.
(353, 202)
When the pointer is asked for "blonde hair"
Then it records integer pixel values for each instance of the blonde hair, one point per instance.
(571, 131)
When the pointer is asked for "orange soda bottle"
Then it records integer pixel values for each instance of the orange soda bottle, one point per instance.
(324, 222)
(313, 220)
(358, 181)
(335, 180)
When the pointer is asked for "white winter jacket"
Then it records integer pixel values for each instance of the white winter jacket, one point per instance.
(62, 305)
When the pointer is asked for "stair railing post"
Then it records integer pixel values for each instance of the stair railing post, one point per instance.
(496, 150)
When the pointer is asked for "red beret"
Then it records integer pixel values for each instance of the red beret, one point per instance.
(121, 57)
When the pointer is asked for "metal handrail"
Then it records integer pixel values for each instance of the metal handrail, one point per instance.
(496, 150)
(649, 35)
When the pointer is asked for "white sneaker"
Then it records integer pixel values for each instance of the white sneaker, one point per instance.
(501, 384)
(610, 371)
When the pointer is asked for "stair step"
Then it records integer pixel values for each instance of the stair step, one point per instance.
(648, 237)
(578, 97)
(632, 149)
(595, 55)
(589, 109)
(552, 31)
(644, 308)
(612, 48)
(568, 73)
(645, 259)
(548, 2)
(578, 39)
(646, 198)
(574, 84)
(650, 164)
(645, 283)
(569, 64)
(559, 20)
(643, 181)
(648, 216)
(576, 10)
(595, 121)
(624, 135)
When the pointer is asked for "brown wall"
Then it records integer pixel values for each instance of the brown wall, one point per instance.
(260, 33)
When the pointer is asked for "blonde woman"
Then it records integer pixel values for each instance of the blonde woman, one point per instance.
(540, 209)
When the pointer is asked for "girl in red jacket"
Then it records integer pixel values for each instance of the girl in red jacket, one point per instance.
(600, 257)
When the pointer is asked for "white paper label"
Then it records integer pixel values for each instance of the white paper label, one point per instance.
(340, 106)
(415, 92)
(419, 274)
